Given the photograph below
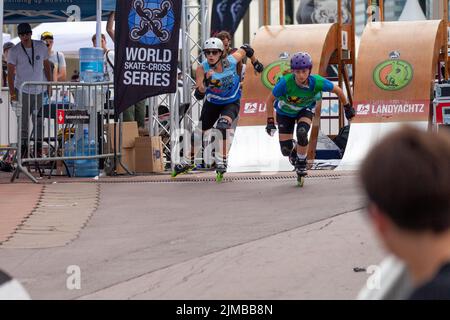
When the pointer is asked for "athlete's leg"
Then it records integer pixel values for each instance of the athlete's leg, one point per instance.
(286, 127)
(303, 127)
(194, 143)
(225, 129)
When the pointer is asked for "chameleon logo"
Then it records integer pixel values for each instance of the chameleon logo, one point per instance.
(293, 100)
(273, 72)
(215, 83)
(393, 75)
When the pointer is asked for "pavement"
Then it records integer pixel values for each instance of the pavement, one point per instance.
(150, 237)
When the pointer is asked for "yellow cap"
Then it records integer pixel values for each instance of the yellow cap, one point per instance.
(46, 35)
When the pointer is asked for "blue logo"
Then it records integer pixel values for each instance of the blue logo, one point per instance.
(151, 21)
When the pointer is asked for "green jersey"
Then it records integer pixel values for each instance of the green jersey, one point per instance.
(291, 98)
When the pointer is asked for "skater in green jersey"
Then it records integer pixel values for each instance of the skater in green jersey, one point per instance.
(294, 99)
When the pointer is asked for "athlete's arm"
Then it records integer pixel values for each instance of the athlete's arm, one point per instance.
(239, 54)
(246, 50)
(109, 26)
(269, 105)
(348, 109)
(199, 78)
(338, 91)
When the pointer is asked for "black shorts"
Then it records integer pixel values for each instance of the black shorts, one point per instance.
(286, 124)
(211, 112)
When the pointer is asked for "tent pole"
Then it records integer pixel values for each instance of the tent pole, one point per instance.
(99, 24)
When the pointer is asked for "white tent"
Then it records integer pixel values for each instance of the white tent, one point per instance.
(6, 37)
(412, 11)
(69, 37)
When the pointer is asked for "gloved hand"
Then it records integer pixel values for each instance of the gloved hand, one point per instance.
(259, 67)
(248, 50)
(271, 128)
(349, 111)
(206, 81)
(199, 95)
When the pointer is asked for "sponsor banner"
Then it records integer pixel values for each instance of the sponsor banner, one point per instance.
(275, 70)
(227, 14)
(392, 110)
(323, 11)
(36, 11)
(73, 116)
(252, 108)
(394, 74)
(146, 54)
(61, 116)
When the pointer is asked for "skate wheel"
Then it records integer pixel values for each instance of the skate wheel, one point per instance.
(173, 174)
(300, 181)
(219, 177)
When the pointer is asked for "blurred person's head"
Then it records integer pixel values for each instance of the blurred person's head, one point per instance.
(6, 47)
(406, 177)
(47, 37)
(75, 76)
(25, 32)
(225, 36)
(102, 41)
(213, 50)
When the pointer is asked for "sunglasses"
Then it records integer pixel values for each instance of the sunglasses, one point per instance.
(24, 34)
(213, 52)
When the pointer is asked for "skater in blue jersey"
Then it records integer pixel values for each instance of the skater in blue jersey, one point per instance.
(218, 82)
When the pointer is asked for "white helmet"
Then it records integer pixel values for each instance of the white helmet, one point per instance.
(213, 43)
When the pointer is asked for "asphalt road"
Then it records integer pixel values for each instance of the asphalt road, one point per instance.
(236, 240)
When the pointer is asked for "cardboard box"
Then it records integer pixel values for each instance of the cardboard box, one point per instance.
(129, 134)
(127, 159)
(149, 156)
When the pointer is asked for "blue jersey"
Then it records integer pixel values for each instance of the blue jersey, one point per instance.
(224, 86)
(291, 98)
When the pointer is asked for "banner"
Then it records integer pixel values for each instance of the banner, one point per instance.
(322, 11)
(147, 34)
(37, 11)
(227, 14)
(391, 111)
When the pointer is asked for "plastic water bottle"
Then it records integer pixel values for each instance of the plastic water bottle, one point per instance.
(86, 167)
(70, 151)
(91, 64)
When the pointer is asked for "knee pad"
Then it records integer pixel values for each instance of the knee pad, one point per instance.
(223, 125)
(286, 147)
(302, 133)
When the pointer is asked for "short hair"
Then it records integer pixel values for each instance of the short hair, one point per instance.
(94, 37)
(223, 35)
(407, 175)
(8, 45)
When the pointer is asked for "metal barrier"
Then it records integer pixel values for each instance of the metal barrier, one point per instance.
(8, 132)
(68, 123)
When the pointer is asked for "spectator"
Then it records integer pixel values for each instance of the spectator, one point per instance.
(137, 111)
(57, 59)
(28, 61)
(225, 36)
(108, 57)
(6, 47)
(75, 76)
(409, 205)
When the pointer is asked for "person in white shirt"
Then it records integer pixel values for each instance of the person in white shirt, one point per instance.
(108, 57)
(56, 58)
(28, 61)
